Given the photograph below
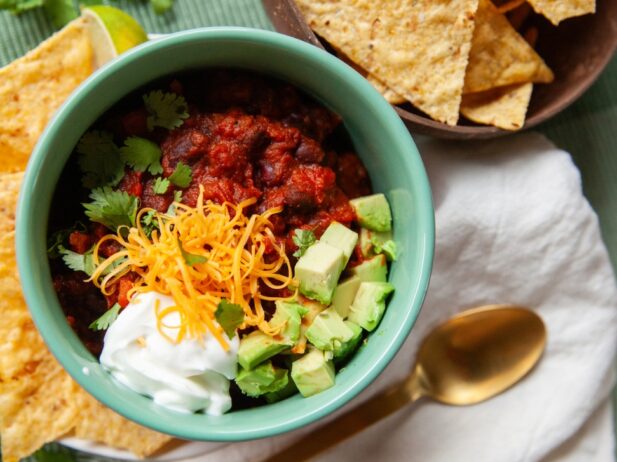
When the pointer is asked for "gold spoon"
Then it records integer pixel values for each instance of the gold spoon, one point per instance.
(472, 357)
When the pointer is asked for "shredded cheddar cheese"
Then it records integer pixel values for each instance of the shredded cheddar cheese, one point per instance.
(233, 264)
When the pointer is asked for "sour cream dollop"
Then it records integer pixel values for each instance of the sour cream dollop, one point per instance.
(188, 376)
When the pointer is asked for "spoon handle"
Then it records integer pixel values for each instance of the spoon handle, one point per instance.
(374, 409)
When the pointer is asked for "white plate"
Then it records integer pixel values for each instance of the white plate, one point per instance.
(184, 450)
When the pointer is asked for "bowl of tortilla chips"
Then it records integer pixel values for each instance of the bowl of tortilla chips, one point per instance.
(464, 68)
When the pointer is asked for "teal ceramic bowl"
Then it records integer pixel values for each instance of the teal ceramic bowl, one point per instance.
(380, 139)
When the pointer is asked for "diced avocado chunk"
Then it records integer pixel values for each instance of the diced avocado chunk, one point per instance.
(312, 373)
(365, 242)
(318, 271)
(344, 350)
(265, 378)
(344, 294)
(373, 242)
(373, 212)
(256, 347)
(312, 309)
(288, 316)
(370, 303)
(372, 270)
(328, 331)
(285, 392)
(341, 237)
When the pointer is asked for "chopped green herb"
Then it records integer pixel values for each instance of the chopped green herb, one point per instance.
(142, 154)
(160, 186)
(149, 223)
(112, 208)
(303, 238)
(60, 12)
(181, 176)
(60, 237)
(99, 160)
(167, 110)
(229, 316)
(171, 210)
(191, 258)
(84, 261)
(77, 261)
(106, 318)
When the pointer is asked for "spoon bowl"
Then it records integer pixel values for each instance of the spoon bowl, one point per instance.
(478, 354)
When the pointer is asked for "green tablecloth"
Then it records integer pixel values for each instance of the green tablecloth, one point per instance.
(588, 129)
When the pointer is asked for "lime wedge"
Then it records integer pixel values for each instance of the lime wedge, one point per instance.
(112, 32)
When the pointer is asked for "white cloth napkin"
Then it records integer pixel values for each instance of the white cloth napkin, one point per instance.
(512, 227)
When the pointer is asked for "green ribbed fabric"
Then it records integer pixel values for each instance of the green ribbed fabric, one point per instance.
(588, 129)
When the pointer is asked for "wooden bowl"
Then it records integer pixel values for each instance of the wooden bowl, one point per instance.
(577, 51)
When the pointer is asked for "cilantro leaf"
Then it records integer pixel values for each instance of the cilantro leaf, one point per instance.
(60, 12)
(303, 238)
(85, 261)
(77, 261)
(112, 208)
(59, 238)
(191, 258)
(161, 6)
(149, 222)
(181, 176)
(106, 318)
(167, 110)
(142, 154)
(229, 316)
(160, 186)
(99, 160)
(171, 210)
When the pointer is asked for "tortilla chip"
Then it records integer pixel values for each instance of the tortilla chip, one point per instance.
(499, 56)
(39, 402)
(418, 48)
(390, 95)
(99, 423)
(503, 107)
(558, 10)
(45, 410)
(33, 87)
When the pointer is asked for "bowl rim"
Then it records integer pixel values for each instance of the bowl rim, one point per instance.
(33, 269)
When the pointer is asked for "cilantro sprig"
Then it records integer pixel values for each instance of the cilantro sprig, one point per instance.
(166, 110)
(99, 159)
(303, 238)
(191, 258)
(229, 316)
(59, 238)
(149, 222)
(106, 318)
(141, 154)
(160, 186)
(112, 208)
(85, 261)
(77, 261)
(60, 12)
(181, 176)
